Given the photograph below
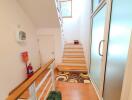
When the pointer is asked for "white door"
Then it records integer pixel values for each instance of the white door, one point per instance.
(46, 45)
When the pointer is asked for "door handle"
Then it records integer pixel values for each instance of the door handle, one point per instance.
(100, 46)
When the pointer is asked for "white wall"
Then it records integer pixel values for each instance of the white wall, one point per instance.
(85, 28)
(71, 29)
(47, 46)
(71, 26)
(53, 32)
(12, 69)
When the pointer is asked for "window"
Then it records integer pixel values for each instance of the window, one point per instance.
(66, 8)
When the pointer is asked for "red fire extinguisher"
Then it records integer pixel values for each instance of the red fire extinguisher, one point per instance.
(29, 70)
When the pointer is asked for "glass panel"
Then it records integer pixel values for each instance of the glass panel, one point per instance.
(97, 36)
(95, 4)
(66, 8)
(120, 31)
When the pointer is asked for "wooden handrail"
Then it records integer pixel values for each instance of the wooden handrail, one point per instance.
(25, 85)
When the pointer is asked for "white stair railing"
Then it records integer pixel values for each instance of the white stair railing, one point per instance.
(32, 92)
(29, 84)
(58, 8)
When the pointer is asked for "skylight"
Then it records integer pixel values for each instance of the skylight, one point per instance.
(66, 8)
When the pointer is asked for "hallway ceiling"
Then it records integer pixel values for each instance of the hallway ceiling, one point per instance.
(42, 12)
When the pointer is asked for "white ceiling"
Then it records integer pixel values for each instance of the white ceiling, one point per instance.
(42, 12)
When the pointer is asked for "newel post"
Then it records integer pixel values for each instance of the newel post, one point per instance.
(32, 92)
(53, 76)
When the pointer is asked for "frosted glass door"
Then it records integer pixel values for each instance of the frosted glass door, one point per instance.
(119, 38)
(97, 44)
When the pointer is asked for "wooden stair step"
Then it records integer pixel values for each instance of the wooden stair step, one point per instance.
(72, 48)
(73, 51)
(73, 58)
(74, 54)
(72, 69)
(70, 56)
(72, 44)
(74, 61)
(73, 64)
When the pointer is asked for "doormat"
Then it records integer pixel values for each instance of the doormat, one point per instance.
(73, 77)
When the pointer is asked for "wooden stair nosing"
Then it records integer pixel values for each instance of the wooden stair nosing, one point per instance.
(76, 49)
(70, 70)
(72, 45)
(67, 56)
(74, 61)
(72, 65)
(75, 69)
(73, 55)
(73, 52)
(71, 48)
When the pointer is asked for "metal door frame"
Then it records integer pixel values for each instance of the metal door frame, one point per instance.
(106, 36)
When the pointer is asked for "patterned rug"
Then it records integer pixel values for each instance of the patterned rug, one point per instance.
(73, 77)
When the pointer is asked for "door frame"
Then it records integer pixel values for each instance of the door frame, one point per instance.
(106, 36)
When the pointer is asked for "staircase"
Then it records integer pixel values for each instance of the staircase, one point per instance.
(73, 59)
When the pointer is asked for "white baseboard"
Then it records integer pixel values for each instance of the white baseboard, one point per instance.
(96, 90)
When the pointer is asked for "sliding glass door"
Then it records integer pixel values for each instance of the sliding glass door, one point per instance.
(119, 38)
(97, 44)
